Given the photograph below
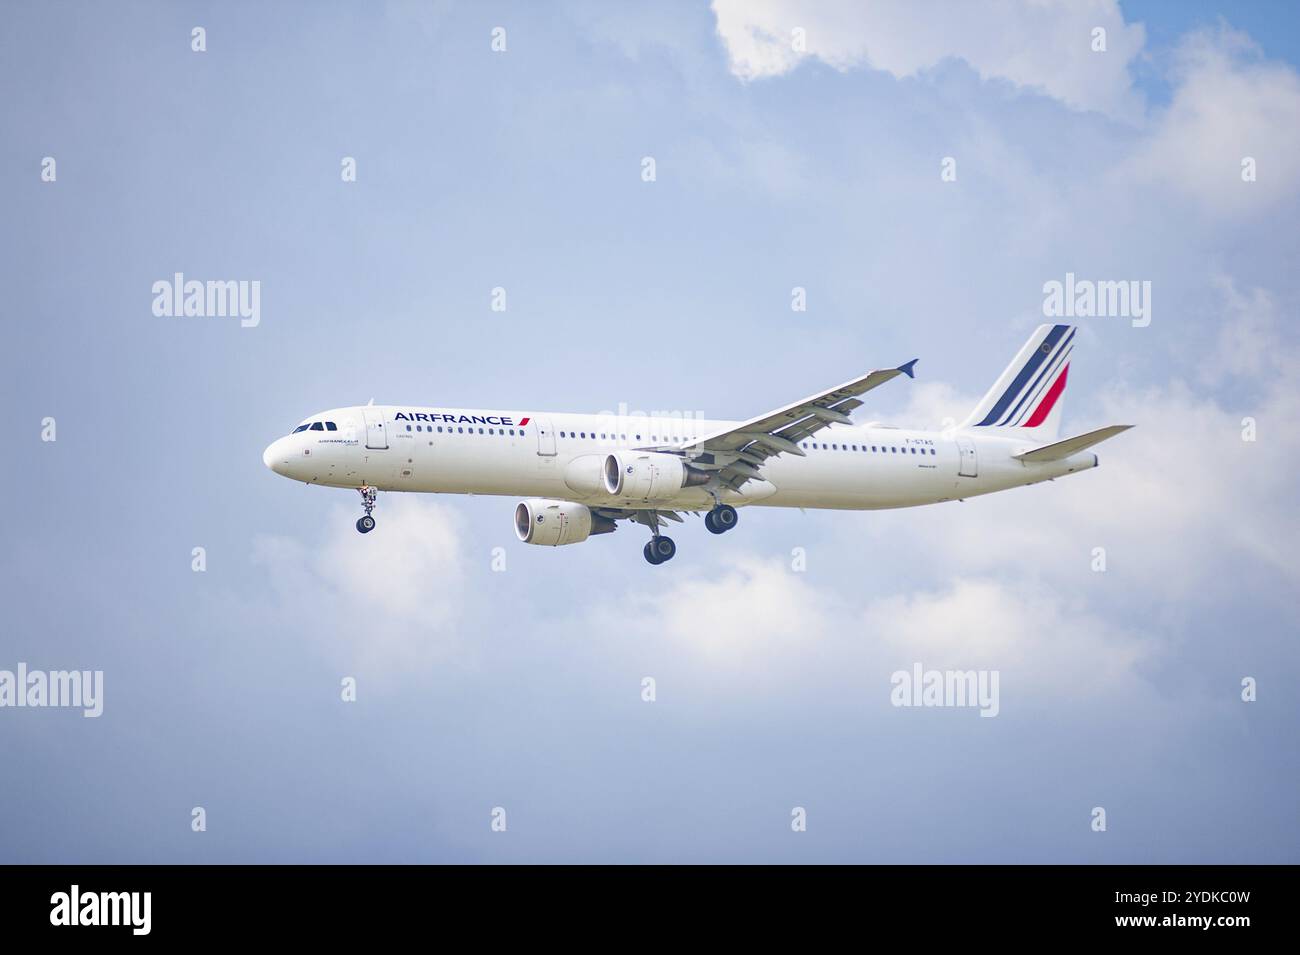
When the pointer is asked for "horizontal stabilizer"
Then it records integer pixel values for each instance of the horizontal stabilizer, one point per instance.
(1063, 449)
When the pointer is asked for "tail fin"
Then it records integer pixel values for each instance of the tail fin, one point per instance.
(1026, 400)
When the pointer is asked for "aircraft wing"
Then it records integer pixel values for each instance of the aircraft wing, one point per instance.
(738, 453)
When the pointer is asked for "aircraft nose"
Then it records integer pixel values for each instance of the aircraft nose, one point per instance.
(273, 457)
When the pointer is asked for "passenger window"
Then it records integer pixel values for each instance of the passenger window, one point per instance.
(408, 427)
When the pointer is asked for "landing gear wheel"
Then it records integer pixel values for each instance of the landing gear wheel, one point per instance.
(721, 519)
(368, 494)
(660, 549)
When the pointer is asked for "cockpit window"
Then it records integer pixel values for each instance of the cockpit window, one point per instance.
(316, 426)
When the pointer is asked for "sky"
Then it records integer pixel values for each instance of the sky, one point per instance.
(498, 681)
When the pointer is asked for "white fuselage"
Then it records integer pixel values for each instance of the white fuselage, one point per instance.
(454, 451)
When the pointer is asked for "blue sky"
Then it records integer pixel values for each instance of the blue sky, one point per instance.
(521, 689)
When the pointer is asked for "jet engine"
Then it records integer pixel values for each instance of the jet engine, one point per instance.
(552, 523)
(649, 475)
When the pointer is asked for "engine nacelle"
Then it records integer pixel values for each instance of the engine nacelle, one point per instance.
(552, 523)
(648, 475)
(584, 475)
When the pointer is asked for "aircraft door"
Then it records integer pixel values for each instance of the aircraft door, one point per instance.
(376, 432)
(969, 463)
(545, 437)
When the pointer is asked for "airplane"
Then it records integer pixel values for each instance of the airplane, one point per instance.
(580, 474)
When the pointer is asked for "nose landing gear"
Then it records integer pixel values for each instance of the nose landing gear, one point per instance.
(366, 524)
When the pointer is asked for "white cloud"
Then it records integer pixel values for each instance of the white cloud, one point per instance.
(931, 406)
(1044, 46)
(752, 614)
(391, 598)
(1041, 646)
(1227, 105)
(759, 625)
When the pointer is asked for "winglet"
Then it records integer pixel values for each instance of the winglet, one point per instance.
(907, 368)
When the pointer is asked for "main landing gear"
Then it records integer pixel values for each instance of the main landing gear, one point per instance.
(366, 524)
(721, 519)
(659, 549)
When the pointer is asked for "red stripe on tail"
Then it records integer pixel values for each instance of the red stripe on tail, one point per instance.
(1045, 406)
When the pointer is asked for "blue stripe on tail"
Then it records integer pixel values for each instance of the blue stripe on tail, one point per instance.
(1031, 366)
(1049, 367)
